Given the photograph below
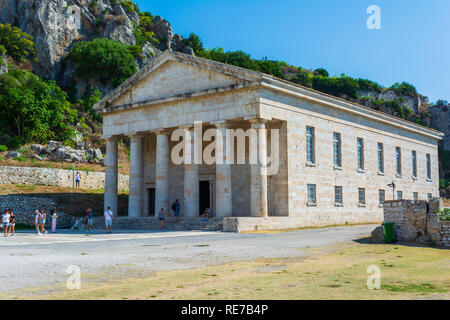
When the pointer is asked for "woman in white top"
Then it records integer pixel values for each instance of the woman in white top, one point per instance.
(5, 221)
(36, 221)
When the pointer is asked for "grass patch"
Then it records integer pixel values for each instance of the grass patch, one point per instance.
(422, 288)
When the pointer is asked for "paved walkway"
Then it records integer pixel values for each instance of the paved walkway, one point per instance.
(29, 260)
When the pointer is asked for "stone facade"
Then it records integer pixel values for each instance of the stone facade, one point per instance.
(25, 206)
(56, 177)
(177, 91)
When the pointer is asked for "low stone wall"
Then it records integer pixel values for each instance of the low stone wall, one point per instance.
(25, 206)
(56, 177)
(415, 221)
(248, 224)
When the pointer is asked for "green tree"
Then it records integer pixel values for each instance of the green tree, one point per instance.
(106, 60)
(17, 44)
(321, 72)
(195, 43)
(33, 109)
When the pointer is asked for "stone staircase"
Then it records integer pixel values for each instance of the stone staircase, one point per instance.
(152, 223)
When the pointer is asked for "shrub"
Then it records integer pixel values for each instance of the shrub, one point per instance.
(17, 44)
(106, 60)
(130, 6)
(444, 215)
(321, 72)
(135, 50)
(14, 142)
(3, 148)
(20, 158)
(404, 89)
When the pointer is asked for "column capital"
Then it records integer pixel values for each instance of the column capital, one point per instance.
(221, 124)
(162, 132)
(111, 138)
(135, 135)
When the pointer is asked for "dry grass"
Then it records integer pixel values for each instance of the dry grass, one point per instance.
(328, 273)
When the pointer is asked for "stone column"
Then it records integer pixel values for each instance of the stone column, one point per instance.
(162, 172)
(111, 183)
(136, 185)
(258, 184)
(224, 206)
(191, 182)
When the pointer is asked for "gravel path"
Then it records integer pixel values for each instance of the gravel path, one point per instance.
(28, 260)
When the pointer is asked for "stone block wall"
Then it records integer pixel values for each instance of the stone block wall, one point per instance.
(416, 221)
(25, 206)
(56, 177)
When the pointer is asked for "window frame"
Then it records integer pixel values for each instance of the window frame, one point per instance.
(337, 149)
(341, 202)
(360, 153)
(310, 145)
(380, 192)
(398, 161)
(399, 192)
(314, 189)
(380, 152)
(363, 190)
(414, 163)
(428, 161)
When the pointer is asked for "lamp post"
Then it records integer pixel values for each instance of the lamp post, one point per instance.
(392, 185)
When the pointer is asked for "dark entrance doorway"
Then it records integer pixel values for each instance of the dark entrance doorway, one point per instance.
(151, 201)
(205, 201)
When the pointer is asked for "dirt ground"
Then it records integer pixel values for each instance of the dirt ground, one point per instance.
(336, 272)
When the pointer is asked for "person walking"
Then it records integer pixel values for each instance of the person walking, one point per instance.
(205, 217)
(12, 223)
(161, 215)
(90, 223)
(108, 216)
(77, 180)
(54, 219)
(42, 218)
(5, 221)
(37, 217)
(176, 206)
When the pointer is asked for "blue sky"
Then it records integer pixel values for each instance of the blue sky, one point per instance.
(413, 44)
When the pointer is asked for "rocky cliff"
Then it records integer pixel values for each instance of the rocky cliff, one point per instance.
(57, 24)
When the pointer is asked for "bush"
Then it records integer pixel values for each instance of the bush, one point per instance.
(444, 215)
(321, 72)
(108, 61)
(135, 50)
(14, 143)
(3, 148)
(404, 89)
(20, 158)
(17, 44)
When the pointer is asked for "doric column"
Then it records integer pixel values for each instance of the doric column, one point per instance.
(111, 184)
(191, 180)
(136, 185)
(162, 172)
(258, 188)
(224, 207)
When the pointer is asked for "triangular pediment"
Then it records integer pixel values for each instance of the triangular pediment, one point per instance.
(175, 75)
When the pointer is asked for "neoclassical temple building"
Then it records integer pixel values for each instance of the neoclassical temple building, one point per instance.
(336, 160)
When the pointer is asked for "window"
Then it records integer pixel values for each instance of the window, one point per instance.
(399, 195)
(337, 149)
(398, 160)
(380, 157)
(362, 196)
(430, 196)
(360, 153)
(414, 163)
(428, 166)
(415, 196)
(338, 195)
(310, 156)
(381, 196)
(312, 194)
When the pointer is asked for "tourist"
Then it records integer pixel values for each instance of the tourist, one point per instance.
(5, 221)
(42, 218)
(12, 223)
(108, 216)
(161, 215)
(36, 221)
(77, 180)
(90, 223)
(205, 217)
(176, 206)
(54, 217)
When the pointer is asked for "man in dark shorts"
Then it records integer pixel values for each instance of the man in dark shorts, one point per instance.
(176, 206)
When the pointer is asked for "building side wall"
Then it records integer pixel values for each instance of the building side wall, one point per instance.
(299, 114)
